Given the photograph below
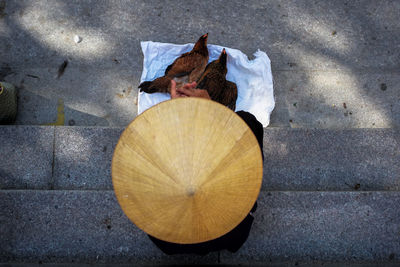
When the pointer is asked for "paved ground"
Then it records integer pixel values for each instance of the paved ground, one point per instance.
(79, 158)
(339, 204)
(335, 63)
(308, 227)
(244, 265)
(328, 195)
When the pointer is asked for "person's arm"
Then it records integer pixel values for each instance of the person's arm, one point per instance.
(188, 90)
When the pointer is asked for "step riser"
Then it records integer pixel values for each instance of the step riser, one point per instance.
(26, 157)
(326, 160)
(295, 159)
(89, 226)
(73, 226)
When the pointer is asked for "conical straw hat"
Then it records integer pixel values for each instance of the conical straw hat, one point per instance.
(187, 170)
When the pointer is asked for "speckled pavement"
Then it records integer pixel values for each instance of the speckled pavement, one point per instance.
(331, 186)
(335, 63)
(327, 196)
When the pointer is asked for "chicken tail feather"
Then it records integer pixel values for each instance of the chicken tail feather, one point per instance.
(159, 85)
(144, 86)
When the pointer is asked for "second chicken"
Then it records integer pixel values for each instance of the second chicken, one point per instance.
(214, 81)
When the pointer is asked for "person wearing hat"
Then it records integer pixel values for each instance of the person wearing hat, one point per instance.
(203, 210)
(233, 240)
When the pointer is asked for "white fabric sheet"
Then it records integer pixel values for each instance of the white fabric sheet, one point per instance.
(252, 77)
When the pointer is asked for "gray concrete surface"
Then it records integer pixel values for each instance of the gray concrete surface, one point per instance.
(329, 99)
(327, 226)
(26, 157)
(48, 226)
(82, 158)
(286, 264)
(81, 221)
(331, 160)
(74, 226)
(295, 159)
(323, 54)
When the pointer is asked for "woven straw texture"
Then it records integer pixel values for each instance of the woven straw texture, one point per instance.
(187, 170)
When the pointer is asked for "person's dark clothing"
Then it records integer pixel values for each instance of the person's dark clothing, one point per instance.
(233, 240)
(255, 126)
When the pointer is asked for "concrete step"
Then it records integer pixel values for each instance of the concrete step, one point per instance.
(323, 54)
(68, 158)
(286, 264)
(324, 35)
(317, 99)
(60, 226)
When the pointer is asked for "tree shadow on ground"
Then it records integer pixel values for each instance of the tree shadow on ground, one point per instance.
(354, 39)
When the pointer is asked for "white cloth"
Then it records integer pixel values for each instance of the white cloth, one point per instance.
(252, 77)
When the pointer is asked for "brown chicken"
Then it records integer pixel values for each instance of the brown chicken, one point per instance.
(214, 81)
(186, 68)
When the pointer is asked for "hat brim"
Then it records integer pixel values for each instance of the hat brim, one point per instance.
(187, 170)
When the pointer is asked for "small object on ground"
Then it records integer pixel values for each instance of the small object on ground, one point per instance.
(71, 122)
(33, 76)
(8, 103)
(60, 121)
(2, 8)
(77, 39)
(383, 86)
(120, 95)
(129, 90)
(61, 69)
(188, 68)
(344, 105)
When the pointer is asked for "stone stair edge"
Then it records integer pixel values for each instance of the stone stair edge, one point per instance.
(71, 190)
(284, 264)
(296, 159)
(288, 226)
(269, 127)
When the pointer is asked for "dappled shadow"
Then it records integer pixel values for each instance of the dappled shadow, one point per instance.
(323, 54)
(34, 109)
(350, 83)
(307, 43)
(335, 65)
